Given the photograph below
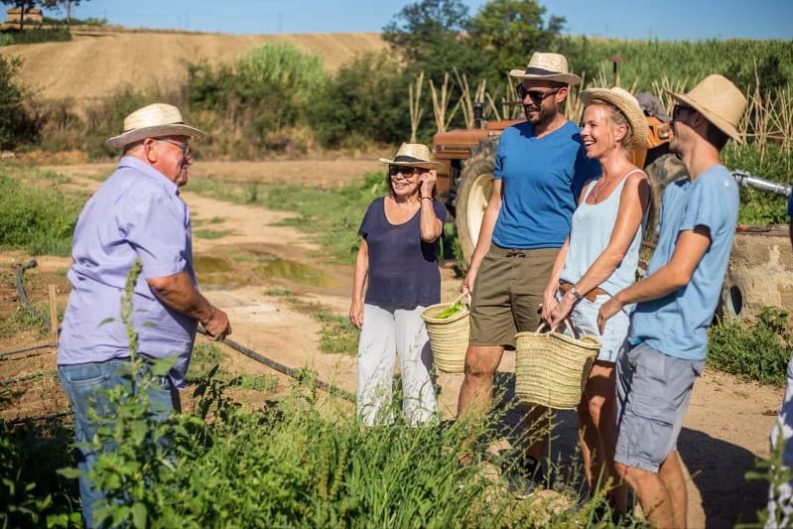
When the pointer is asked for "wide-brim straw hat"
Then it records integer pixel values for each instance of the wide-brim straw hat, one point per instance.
(153, 121)
(413, 155)
(547, 67)
(627, 105)
(719, 101)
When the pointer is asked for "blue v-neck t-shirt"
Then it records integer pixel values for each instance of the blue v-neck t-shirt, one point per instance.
(542, 180)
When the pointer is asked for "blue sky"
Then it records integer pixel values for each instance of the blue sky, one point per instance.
(662, 19)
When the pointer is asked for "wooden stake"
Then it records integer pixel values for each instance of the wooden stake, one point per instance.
(53, 315)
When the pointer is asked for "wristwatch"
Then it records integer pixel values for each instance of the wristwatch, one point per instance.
(576, 294)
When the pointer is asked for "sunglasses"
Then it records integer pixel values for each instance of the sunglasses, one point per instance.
(537, 96)
(681, 108)
(186, 151)
(394, 170)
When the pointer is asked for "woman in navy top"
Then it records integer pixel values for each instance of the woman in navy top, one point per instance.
(398, 254)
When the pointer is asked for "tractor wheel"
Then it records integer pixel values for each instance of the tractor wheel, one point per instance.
(473, 194)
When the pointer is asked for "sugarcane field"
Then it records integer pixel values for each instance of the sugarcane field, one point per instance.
(431, 264)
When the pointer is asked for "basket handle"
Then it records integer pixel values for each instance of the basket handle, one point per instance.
(465, 297)
(552, 329)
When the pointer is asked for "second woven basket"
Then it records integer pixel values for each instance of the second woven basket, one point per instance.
(551, 368)
(448, 336)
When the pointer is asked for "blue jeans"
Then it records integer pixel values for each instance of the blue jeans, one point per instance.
(85, 385)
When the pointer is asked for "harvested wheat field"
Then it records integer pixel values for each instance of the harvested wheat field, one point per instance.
(99, 63)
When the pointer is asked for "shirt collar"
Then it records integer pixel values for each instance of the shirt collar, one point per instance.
(149, 171)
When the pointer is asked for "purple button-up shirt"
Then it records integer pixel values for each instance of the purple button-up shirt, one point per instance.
(136, 214)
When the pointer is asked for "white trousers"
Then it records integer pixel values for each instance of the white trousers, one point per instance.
(387, 335)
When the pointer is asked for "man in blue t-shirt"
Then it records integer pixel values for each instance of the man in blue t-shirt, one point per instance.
(676, 301)
(540, 168)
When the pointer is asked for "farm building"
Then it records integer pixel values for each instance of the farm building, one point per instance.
(33, 14)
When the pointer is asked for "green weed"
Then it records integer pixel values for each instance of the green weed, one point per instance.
(758, 350)
(204, 233)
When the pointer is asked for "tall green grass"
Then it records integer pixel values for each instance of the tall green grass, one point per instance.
(39, 220)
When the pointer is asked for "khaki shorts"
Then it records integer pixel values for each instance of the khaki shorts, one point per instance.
(507, 294)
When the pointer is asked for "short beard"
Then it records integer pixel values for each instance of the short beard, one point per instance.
(546, 115)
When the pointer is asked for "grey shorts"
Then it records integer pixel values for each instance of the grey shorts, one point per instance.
(653, 390)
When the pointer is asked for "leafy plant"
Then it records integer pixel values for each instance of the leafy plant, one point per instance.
(758, 350)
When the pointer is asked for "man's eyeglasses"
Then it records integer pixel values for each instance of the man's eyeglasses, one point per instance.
(394, 170)
(186, 151)
(537, 96)
(681, 108)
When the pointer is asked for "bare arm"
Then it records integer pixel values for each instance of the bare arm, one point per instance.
(178, 292)
(634, 201)
(691, 246)
(358, 280)
(485, 234)
(549, 302)
(430, 225)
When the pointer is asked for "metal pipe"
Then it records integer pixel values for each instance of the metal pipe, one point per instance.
(745, 179)
(294, 373)
(25, 349)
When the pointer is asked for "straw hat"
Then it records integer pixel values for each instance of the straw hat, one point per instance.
(547, 67)
(625, 103)
(153, 121)
(413, 155)
(719, 101)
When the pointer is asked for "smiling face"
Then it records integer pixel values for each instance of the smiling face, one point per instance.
(600, 133)
(403, 180)
(541, 100)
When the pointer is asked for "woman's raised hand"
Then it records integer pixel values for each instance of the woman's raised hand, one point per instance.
(427, 180)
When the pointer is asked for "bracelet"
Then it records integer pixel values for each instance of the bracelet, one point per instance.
(576, 294)
(428, 198)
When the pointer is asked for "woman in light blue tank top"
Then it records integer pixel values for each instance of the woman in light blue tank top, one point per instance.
(598, 260)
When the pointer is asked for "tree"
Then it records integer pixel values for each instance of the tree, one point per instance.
(510, 30)
(63, 5)
(430, 36)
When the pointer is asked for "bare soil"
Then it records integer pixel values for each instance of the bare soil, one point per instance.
(97, 64)
(725, 431)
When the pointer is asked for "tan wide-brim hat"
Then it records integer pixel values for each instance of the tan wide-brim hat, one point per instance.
(153, 121)
(547, 67)
(413, 155)
(625, 103)
(719, 101)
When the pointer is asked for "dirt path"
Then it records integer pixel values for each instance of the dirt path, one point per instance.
(726, 427)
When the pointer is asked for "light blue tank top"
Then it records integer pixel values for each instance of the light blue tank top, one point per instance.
(590, 234)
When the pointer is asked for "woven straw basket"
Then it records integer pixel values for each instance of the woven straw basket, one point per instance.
(448, 337)
(551, 368)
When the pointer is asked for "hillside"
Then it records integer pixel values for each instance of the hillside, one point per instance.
(99, 63)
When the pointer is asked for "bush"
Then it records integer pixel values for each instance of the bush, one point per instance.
(758, 350)
(17, 124)
(253, 102)
(34, 36)
(366, 99)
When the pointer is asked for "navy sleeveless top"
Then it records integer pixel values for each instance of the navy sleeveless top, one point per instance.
(403, 269)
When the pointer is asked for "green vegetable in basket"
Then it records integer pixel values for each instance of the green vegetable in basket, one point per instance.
(448, 312)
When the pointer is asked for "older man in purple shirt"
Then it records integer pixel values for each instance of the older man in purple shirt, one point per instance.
(137, 214)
